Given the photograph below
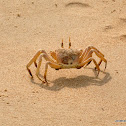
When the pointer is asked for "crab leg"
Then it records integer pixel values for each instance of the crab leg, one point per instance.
(87, 61)
(69, 43)
(62, 43)
(50, 62)
(38, 67)
(98, 54)
(85, 53)
(52, 65)
(47, 58)
(34, 60)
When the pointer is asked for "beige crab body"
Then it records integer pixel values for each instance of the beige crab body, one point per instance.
(68, 58)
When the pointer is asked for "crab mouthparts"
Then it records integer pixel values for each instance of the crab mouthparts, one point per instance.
(67, 61)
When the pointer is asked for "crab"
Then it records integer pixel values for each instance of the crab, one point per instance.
(65, 59)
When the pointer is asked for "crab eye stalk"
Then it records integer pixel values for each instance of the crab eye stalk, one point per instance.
(69, 43)
(62, 43)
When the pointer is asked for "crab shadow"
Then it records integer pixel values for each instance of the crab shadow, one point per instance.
(78, 82)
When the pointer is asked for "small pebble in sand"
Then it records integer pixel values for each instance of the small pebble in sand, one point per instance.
(113, 11)
(18, 15)
(5, 90)
(116, 71)
(35, 92)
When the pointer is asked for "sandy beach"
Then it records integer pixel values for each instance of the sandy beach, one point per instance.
(74, 97)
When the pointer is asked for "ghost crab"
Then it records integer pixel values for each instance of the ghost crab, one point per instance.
(65, 59)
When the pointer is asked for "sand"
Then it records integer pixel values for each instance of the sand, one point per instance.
(74, 97)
